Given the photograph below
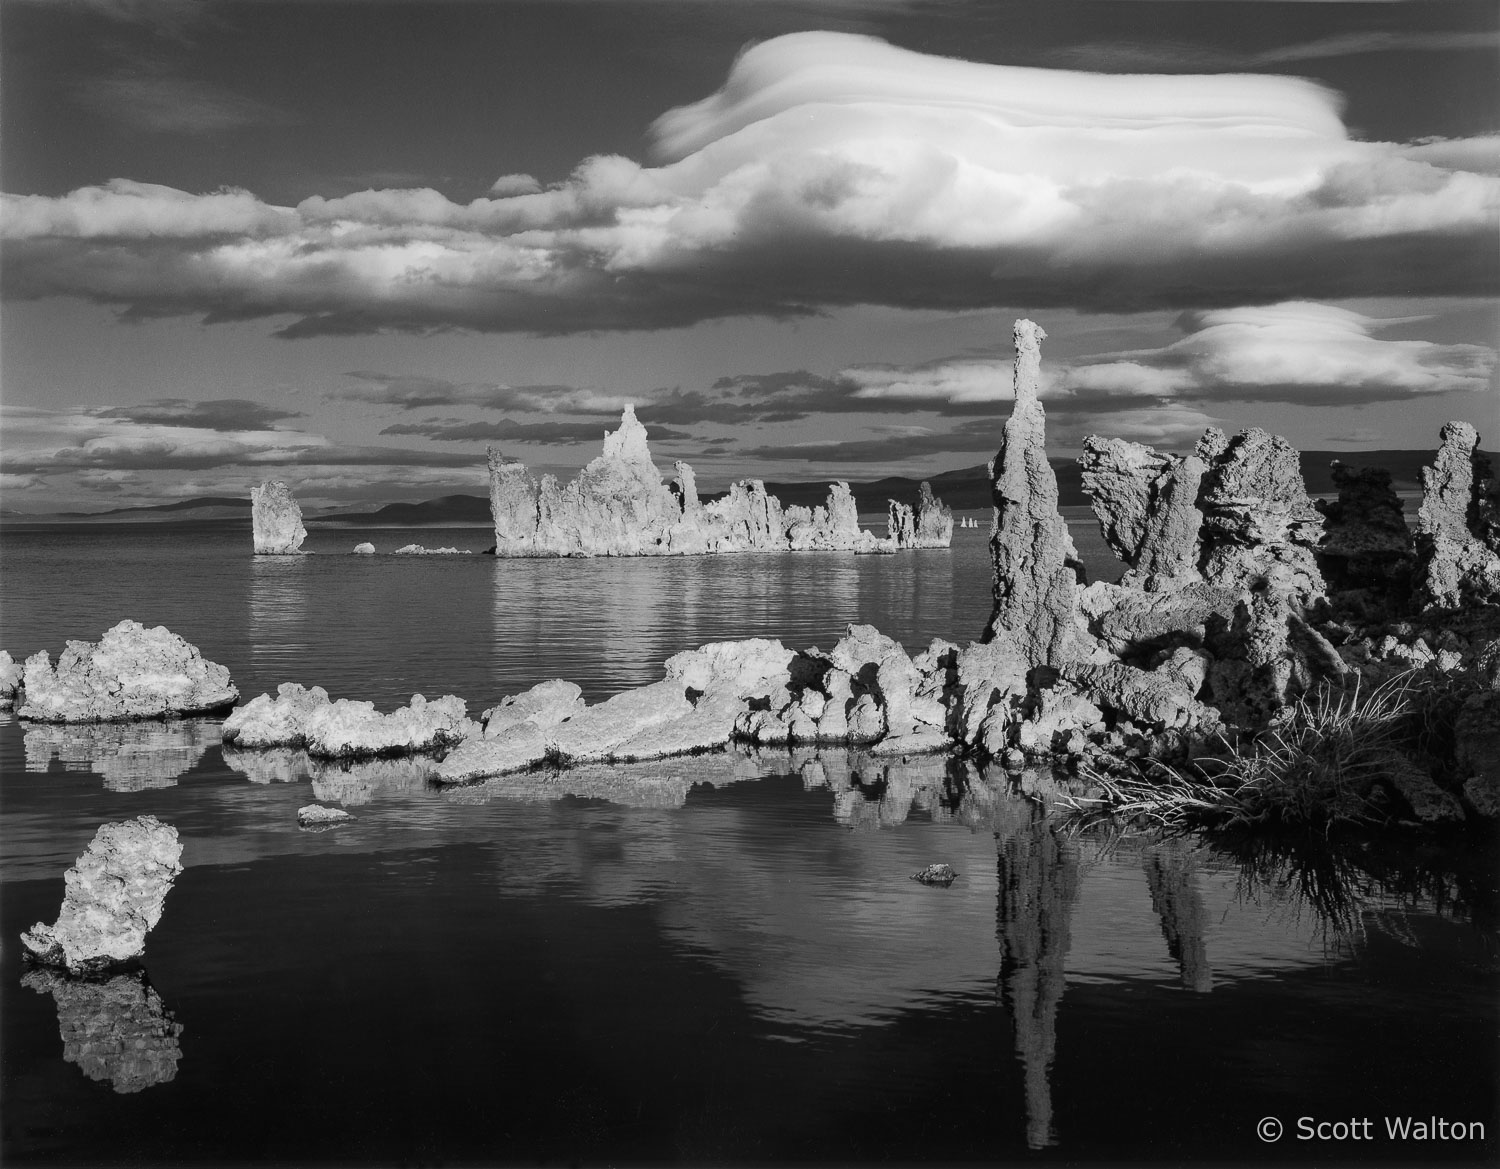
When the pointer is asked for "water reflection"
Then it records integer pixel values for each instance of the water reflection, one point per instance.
(129, 756)
(117, 1029)
(344, 781)
(1038, 884)
(278, 608)
(1171, 874)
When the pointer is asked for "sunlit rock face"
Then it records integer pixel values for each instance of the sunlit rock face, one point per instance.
(277, 519)
(129, 757)
(114, 898)
(117, 1031)
(11, 675)
(619, 505)
(1036, 582)
(132, 673)
(1458, 524)
(298, 717)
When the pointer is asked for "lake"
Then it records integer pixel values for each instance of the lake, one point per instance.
(709, 959)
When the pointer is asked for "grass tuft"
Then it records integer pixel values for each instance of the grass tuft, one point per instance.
(1319, 766)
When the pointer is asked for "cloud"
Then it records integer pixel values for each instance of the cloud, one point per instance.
(1294, 352)
(1176, 56)
(830, 169)
(541, 433)
(220, 414)
(416, 392)
(48, 442)
(515, 185)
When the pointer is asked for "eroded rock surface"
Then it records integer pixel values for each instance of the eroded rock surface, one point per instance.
(276, 519)
(11, 675)
(1036, 580)
(114, 898)
(299, 717)
(132, 673)
(619, 505)
(1458, 524)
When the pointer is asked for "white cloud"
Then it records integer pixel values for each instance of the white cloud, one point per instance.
(1296, 351)
(830, 169)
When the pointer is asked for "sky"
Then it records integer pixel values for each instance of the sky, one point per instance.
(351, 243)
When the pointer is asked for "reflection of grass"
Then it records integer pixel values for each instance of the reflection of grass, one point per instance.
(1344, 878)
(1319, 766)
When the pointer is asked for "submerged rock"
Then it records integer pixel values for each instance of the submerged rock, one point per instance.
(1036, 581)
(114, 898)
(942, 875)
(619, 505)
(418, 550)
(132, 673)
(277, 520)
(317, 816)
(117, 1030)
(299, 717)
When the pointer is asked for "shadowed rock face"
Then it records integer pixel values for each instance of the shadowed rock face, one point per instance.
(276, 520)
(117, 1030)
(1458, 524)
(619, 506)
(1146, 504)
(114, 898)
(1036, 583)
(132, 673)
(1365, 538)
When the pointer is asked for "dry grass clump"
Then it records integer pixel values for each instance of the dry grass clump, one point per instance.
(1318, 766)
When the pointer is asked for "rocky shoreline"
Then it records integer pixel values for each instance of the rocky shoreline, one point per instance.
(1245, 607)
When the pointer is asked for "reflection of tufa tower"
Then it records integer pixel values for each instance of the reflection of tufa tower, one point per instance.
(1169, 874)
(1038, 887)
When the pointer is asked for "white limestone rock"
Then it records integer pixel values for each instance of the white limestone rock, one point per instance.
(345, 728)
(317, 816)
(114, 898)
(276, 519)
(365, 549)
(132, 673)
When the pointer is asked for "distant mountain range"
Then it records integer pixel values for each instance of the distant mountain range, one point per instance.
(964, 489)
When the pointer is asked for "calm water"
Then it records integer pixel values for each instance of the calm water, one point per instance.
(708, 959)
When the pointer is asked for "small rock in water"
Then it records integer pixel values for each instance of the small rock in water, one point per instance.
(365, 549)
(317, 816)
(936, 875)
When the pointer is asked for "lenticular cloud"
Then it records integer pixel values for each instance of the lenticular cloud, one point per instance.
(828, 170)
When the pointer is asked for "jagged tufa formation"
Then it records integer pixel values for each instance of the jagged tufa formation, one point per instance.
(620, 506)
(276, 519)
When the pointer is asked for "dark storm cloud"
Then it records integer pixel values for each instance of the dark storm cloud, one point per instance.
(220, 414)
(541, 433)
